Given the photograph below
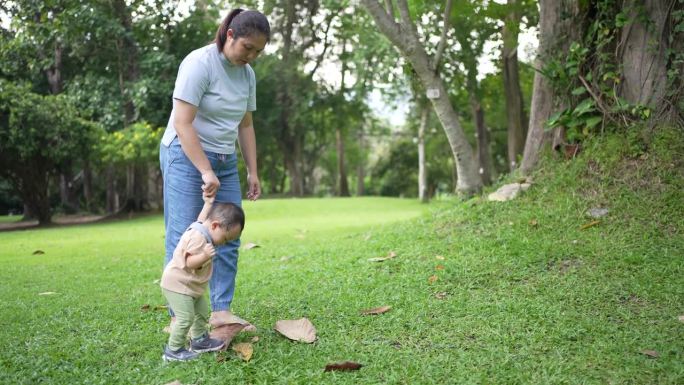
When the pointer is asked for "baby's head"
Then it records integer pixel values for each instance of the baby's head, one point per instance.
(225, 222)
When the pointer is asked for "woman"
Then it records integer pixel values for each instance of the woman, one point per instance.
(213, 100)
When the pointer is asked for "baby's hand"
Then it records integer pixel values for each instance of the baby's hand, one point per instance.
(208, 199)
(209, 250)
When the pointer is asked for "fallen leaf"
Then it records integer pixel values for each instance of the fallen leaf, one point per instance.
(145, 307)
(433, 279)
(441, 295)
(367, 237)
(343, 366)
(48, 293)
(439, 267)
(534, 223)
(174, 383)
(160, 307)
(297, 330)
(255, 339)
(285, 258)
(156, 281)
(681, 318)
(244, 350)
(227, 332)
(220, 357)
(390, 255)
(441, 258)
(650, 353)
(299, 236)
(38, 252)
(377, 310)
(590, 224)
(249, 246)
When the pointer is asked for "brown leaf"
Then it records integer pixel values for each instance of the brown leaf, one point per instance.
(220, 357)
(441, 295)
(255, 339)
(343, 366)
(174, 383)
(48, 293)
(433, 279)
(390, 255)
(588, 225)
(160, 307)
(441, 258)
(226, 332)
(377, 310)
(439, 267)
(244, 350)
(297, 330)
(249, 246)
(681, 318)
(534, 223)
(38, 252)
(650, 353)
(145, 307)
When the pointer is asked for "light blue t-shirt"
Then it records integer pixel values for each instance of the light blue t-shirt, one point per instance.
(222, 93)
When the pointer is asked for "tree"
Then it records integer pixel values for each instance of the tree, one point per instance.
(404, 36)
(39, 135)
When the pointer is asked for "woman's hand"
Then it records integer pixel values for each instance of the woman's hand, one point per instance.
(253, 187)
(211, 184)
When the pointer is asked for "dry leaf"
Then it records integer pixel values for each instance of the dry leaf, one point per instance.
(681, 318)
(249, 246)
(343, 366)
(299, 236)
(590, 224)
(534, 223)
(244, 350)
(285, 258)
(38, 252)
(220, 357)
(390, 255)
(441, 295)
(48, 293)
(433, 279)
(441, 258)
(226, 332)
(160, 307)
(439, 267)
(145, 307)
(377, 310)
(175, 383)
(255, 339)
(650, 353)
(297, 330)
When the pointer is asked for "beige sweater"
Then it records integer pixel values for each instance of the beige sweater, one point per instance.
(179, 278)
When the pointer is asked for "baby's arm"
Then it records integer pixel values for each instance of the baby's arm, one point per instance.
(195, 261)
(205, 209)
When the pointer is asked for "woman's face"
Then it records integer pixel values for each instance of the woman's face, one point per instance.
(243, 50)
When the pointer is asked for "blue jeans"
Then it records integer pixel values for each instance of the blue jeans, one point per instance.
(183, 203)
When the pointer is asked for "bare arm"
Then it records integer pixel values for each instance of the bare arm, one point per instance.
(184, 114)
(194, 261)
(208, 202)
(247, 141)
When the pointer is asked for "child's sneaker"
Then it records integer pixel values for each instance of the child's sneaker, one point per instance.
(205, 344)
(181, 354)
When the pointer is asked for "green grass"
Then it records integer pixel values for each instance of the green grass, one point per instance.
(10, 218)
(530, 297)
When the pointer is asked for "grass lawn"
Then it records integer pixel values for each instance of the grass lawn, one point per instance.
(481, 292)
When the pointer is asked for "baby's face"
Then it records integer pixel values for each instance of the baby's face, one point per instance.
(220, 236)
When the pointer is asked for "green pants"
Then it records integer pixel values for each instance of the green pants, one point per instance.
(191, 314)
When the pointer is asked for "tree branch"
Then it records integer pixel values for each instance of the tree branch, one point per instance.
(442, 41)
(404, 12)
(326, 45)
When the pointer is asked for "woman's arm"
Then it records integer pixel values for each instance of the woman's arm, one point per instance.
(247, 141)
(184, 114)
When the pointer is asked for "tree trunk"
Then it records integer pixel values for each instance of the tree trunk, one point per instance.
(129, 69)
(88, 186)
(112, 199)
(483, 155)
(643, 49)
(555, 22)
(66, 192)
(341, 169)
(405, 38)
(360, 169)
(422, 172)
(514, 105)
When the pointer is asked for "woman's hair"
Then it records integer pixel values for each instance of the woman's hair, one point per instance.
(243, 23)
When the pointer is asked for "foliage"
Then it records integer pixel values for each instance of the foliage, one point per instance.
(137, 143)
(39, 135)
